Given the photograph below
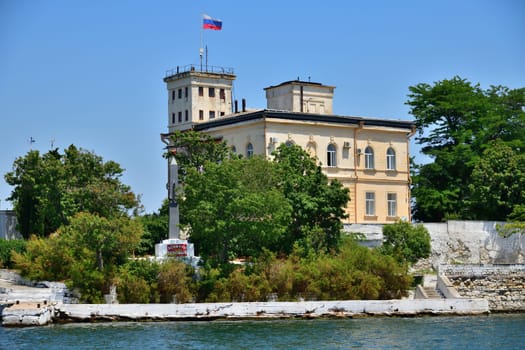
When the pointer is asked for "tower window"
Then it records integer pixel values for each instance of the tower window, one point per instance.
(212, 114)
(172, 118)
(201, 91)
(186, 92)
(222, 94)
(201, 114)
(186, 115)
(211, 92)
(180, 117)
(180, 93)
(172, 94)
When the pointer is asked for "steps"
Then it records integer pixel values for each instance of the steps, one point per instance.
(432, 293)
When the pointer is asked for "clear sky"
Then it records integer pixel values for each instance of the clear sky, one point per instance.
(89, 72)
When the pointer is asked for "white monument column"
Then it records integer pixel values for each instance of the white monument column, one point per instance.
(173, 183)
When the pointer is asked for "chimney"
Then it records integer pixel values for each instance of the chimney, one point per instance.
(244, 105)
(236, 107)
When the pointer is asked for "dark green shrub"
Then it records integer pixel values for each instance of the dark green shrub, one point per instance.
(6, 249)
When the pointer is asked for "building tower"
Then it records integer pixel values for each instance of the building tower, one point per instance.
(196, 96)
(300, 96)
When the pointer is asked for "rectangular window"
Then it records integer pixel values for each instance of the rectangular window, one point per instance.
(212, 114)
(370, 205)
(172, 118)
(392, 204)
(180, 93)
(201, 91)
(222, 95)
(172, 94)
(180, 117)
(186, 92)
(211, 92)
(222, 114)
(201, 114)
(186, 115)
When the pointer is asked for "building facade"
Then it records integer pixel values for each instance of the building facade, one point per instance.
(368, 156)
(8, 223)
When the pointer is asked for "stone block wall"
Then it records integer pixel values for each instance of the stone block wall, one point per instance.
(502, 285)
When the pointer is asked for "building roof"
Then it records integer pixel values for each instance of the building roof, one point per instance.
(297, 82)
(309, 117)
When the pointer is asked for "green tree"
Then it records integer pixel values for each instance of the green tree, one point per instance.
(51, 188)
(155, 229)
(193, 149)
(318, 205)
(86, 253)
(406, 242)
(456, 121)
(234, 209)
(498, 183)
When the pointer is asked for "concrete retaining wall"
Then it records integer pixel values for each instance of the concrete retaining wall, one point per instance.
(8, 224)
(474, 242)
(459, 242)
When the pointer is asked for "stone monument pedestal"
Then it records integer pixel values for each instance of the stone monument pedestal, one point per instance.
(174, 247)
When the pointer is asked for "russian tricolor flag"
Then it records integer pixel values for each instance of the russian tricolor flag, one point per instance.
(211, 23)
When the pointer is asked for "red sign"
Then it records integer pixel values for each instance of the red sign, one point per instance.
(177, 249)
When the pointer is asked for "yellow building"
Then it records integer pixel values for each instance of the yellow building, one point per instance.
(368, 156)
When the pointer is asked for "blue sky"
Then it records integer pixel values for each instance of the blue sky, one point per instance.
(90, 73)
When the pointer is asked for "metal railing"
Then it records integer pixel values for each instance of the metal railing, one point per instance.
(199, 68)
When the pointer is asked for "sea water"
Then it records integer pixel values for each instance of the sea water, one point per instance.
(440, 332)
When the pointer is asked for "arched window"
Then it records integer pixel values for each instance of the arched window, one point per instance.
(311, 149)
(369, 158)
(249, 150)
(331, 156)
(390, 159)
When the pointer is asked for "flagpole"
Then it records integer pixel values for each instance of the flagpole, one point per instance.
(201, 49)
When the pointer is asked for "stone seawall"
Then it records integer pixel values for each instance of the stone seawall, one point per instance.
(63, 313)
(503, 286)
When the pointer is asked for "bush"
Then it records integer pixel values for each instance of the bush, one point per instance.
(6, 249)
(356, 272)
(405, 242)
(175, 282)
(137, 282)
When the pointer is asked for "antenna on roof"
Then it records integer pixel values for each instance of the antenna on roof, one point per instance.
(31, 141)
